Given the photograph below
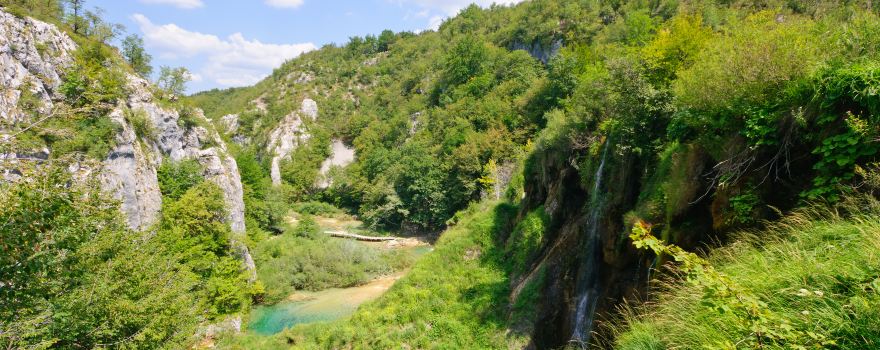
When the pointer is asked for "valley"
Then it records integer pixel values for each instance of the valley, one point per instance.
(538, 174)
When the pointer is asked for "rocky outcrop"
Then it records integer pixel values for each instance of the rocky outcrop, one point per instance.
(341, 157)
(229, 123)
(289, 135)
(33, 55)
(33, 58)
(130, 175)
(540, 51)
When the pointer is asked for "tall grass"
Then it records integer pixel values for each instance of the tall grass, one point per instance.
(819, 268)
(300, 261)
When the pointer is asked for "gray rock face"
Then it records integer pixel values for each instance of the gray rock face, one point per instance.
(176, 143)
(33, 55)
(342, 156)
(230, 123)
(290, 134)
(539, 51)
(130, 176)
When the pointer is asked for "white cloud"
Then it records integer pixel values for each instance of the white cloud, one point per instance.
(451, 7)
(233, 61)
(184, 4)
(285, 3)
(435, 22)
(438, 10)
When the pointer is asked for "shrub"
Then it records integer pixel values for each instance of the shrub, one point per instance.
(175, 178)
(752, 65)
(316, 208)
(70, 266)
(526, 239)
(141, 123)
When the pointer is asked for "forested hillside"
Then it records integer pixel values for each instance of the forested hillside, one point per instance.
(565, 155)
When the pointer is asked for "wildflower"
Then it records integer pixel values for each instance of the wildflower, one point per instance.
(818, 293)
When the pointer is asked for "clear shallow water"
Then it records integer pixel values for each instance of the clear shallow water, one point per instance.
(326, 305)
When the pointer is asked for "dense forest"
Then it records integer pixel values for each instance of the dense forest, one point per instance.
(592, 174)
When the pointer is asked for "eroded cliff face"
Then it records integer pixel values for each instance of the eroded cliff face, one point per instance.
(288, 135)
(587, 263)
(33, 58)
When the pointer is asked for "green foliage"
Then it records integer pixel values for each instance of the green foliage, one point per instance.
(176, 178)
(752, 65)
(265, 209)
(188, 117)
(173, 81)
(93, 137)
(136, 56)
(525, 240)
(194, 232)
(300, 171)
(838, 154)
(744, 208)
(142, 125)
(49, 10)
(316, 208)
(454, 297)
(304, 258)
(91, 89)
(675, 46)
(808, 282)
(307, 227)
(746, 312)
(70, 268)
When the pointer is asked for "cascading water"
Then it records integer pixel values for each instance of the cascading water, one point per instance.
(587, 282)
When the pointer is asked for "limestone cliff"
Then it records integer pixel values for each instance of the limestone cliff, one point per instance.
(288, 135)
(33, 58)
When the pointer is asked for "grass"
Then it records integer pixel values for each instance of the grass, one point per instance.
(299, 260)
(815, 268)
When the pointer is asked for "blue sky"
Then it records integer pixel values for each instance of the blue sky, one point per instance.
(226, 43)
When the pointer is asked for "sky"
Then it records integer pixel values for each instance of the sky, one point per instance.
(230, 43)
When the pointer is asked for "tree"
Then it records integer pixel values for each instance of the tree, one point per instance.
(386, 39)
(94, 26)
(137, 57)
(173, 80)
(76, 19)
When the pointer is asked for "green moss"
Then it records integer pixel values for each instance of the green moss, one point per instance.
(526, 239)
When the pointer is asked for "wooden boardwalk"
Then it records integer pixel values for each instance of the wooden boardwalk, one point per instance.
(341, 234)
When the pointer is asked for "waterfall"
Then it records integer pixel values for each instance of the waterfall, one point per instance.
(587, 281)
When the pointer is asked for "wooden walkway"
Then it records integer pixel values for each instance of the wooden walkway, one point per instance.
(340, 234)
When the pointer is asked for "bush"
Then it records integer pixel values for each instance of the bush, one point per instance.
(175, 178)
(454, 297)
(316, 208)
(526, 239)
(141, 123)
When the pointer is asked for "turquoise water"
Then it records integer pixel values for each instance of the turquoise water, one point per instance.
(326, 305)
(268, 320)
